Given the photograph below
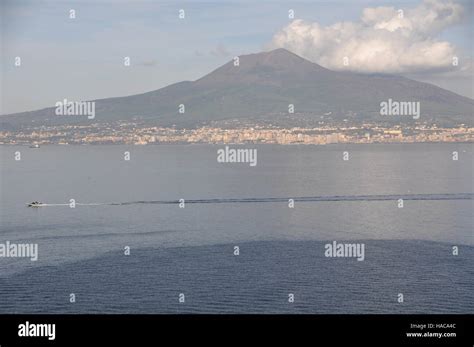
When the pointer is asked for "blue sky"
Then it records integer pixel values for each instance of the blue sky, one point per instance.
(82, 58)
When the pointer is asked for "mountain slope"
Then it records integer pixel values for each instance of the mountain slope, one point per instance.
(260, 90)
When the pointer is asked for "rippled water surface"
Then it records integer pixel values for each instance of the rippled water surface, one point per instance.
(190, 250)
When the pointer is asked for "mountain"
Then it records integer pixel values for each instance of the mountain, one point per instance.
(260, 89)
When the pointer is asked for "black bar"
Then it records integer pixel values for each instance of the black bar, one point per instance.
(314, 330)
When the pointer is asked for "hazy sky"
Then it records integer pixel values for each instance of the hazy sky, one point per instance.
(83, 58)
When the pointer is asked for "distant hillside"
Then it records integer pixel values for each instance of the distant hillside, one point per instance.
(260, 90)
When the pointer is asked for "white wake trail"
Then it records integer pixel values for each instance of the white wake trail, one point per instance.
(77, 204)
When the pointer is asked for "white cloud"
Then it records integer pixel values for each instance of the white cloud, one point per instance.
(386, 39)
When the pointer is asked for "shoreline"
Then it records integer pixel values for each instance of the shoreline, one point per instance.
(238, 144)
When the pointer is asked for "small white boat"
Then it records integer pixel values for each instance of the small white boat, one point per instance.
(35, 204)
(35, 146)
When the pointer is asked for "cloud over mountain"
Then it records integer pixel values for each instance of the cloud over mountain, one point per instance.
(384, 40)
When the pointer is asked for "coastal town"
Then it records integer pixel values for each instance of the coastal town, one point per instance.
(139, 134)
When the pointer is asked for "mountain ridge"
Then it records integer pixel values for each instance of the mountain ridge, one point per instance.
(261, 88)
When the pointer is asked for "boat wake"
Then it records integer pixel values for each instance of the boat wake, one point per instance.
(408, 197)
(80, 204)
